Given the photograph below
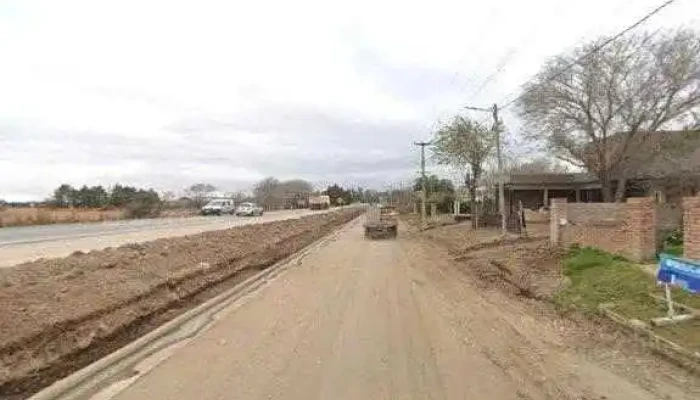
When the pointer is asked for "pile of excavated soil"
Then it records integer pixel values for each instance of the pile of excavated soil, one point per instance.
(527, 268)
(524, 265)
(59, 315)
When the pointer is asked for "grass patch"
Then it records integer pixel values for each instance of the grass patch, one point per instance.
(598, 278)
(674, 250)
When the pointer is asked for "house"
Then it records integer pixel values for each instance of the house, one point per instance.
(536, 190)
(665, 165)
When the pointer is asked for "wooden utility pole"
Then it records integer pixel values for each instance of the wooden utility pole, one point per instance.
(423, 188)
(501, 191)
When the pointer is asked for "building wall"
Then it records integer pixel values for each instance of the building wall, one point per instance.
(587, 213)
(691, 228)
(628, 229)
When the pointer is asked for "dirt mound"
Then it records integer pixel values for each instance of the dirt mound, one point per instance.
(525, 266)
(61, 314)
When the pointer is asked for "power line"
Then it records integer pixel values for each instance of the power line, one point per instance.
(513, 51)
(500, 68)
(594, 50)
(471, 80)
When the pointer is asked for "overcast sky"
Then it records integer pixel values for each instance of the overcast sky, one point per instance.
(169, 93)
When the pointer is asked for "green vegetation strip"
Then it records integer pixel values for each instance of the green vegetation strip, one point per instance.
(599, 278)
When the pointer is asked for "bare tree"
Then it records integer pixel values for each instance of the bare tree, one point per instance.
(273, 193)
(540, 165)
(465, 145)
(266, 192)
(198, 193)
(590, 113)
(295, 192)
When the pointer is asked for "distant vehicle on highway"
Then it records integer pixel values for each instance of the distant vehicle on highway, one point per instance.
(218, 207)
(249, 209)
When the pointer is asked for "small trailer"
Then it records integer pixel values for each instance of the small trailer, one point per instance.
(381, 221)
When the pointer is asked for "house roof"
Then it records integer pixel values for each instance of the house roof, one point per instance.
(661, 154)
(653, 155)
(550, 178)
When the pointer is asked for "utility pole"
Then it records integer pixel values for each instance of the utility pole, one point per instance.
(501, 191)
(422, 171)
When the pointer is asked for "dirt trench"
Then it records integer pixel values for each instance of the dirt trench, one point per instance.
(60, 315)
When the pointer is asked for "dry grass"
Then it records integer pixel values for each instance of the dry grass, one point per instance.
(178, 213)
(46, 216)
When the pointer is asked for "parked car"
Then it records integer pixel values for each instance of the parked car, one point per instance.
(249, 209)
(218, 207)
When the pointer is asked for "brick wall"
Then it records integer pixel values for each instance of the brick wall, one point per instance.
(641, 224)
(691, 228)
(591, 213)
(628, 229)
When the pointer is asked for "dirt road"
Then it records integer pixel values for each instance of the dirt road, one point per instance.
(389, 320)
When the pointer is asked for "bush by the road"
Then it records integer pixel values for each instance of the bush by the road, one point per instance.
(144, 205)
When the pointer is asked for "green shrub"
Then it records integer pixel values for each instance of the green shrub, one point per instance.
(674, 250)
(145, 204)
(674, 238)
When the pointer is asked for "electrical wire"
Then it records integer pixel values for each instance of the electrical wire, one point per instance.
(591, 52)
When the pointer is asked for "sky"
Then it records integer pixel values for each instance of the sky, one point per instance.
(165, 94)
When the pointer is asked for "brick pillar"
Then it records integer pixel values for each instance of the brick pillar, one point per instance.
(691, 228)
(641, 232)
(557, 212)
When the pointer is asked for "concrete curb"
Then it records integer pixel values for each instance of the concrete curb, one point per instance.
(81, 377)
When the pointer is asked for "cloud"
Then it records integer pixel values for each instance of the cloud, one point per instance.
(166, 94)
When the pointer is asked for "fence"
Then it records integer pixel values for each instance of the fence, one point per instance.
(634, 229)
(628, 228)
(691, 227)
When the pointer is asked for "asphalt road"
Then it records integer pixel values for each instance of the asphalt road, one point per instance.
(26, 243)
(361, 319)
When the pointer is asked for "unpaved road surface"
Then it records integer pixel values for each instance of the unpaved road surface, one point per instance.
(392, 319)
(59, 315)
(26, 243)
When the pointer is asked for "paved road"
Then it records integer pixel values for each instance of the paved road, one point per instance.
(20, 244)
(378, 320)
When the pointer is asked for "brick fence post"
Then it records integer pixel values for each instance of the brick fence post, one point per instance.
(641, 233)
(557, 212)
(691, 228)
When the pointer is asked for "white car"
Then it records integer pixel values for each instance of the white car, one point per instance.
(249, 209)
(218, 207)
